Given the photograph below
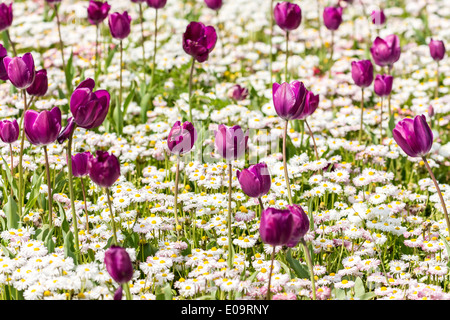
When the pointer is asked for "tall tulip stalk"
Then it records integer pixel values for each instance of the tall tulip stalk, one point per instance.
(156, 4)
(97, 12)
(332, 18)
(382, 87)
(437, 52)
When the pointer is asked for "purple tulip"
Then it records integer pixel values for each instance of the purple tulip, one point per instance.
(414, 136)
(53, 1)
(385, 52)
(89, 108)
(437, 49)
(276, 226)
(97, 11)
(289, 99)
(118, 294)
(6, 16)
(20, 70)
(300, 225)
(39, 86)
(118, 264)
(81, 163)
(383, 85)
(237, 92)
(104, 169)
(156, 4)
(288, 16)
(181, 138)
(9, 131)
(255, 181)
(311, 104)
(378, 17)
(214, 4)
(332, 17)
(42, 128)
(362, 73)
(199, 41)
(119, 25)
(3, 54)
(231, 143)
(430, 111)
(67, 131)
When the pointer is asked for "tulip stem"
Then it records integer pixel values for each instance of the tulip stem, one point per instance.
(141, 17)
(72, 197)
(21, 153)
(230, 243)
(49, 186)
(381, 120)
(286, 175)
(310, 265)
(177, 174)
(120, 88)
(362, 115)
(287, 57)
(85, 204)
(61, 45)
(444, 207)
(332, 45)
(389, 98)
(126, 288)
(319, 26)
(12, 166)
(270, 273)
(261, 204)
(96, 49)
(113, 222)
(190, 89)
(270, 40)
(154, 48)
(436, 90)
(312, 138)
(13, 46)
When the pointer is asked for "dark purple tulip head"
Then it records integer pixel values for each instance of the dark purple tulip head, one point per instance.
(414, 136)
(9, 131)
(42, 128)
(118, 294)
(288, 16)
(156, 4)
(437, 49)
(97, 11)
(39, 86)
(3, 54)
(231, 142)
(119, 25)
(67, 131)
(118, 264)
(199, 40)
(81, 163)
(362, 73)
(255, 181)
(237, 92)
(20, 70)
(431, 111)
(89, 108)
(181, 138)
(289, 99)
(378, 17)
(300, 224)
(383, 85)
(214, 4)
(311, 104)
(104, 169)
(332, 17)
(276, 226)
(6, 16)
(385, 52)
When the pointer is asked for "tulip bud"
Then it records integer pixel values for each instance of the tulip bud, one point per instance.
(237, 93)
(332, 17)
(118, 264)
(378, 17)
(255, 181)
(414, 136)
(97, 11)
(431, 111)
(437, 49)
(20, 70)
(105, 169)
(300, 225)
(119, 25)
(67, 131)
(276, 226)
(39, 86)
(385, 52)
(3, 54)
(81, 163)
(9, 131)
(6, 16)
(214, 4)
(231, 143)
(42, 128)
(362, 73)
(156, 4)
(199, 40)
(289, 99)
(181, 138)
(383, 85)
(288, 16)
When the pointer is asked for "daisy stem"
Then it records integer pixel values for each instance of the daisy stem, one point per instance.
(154, 48)
(286, 175)
(85, 204)
(190, 89)
(141, 17)
(362, 114)
(176, 192)
(21, 152)
(72, 197)
(444, 207)
(13, 46)
(310, 265)
(230, 243)
(113, 223)
(312, 138)
(49, 186)
(287, 57)
(270, 273)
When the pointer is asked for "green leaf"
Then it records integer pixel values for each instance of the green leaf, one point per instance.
(391, 125)
(128, 99)
(7, 251)
(11, 180)
(339, 294)
(144, 106)
(69, 246)
(359, 288)
(69, 72)
(164, 293)
(300, 270)
(367, 296)
(12, 218)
